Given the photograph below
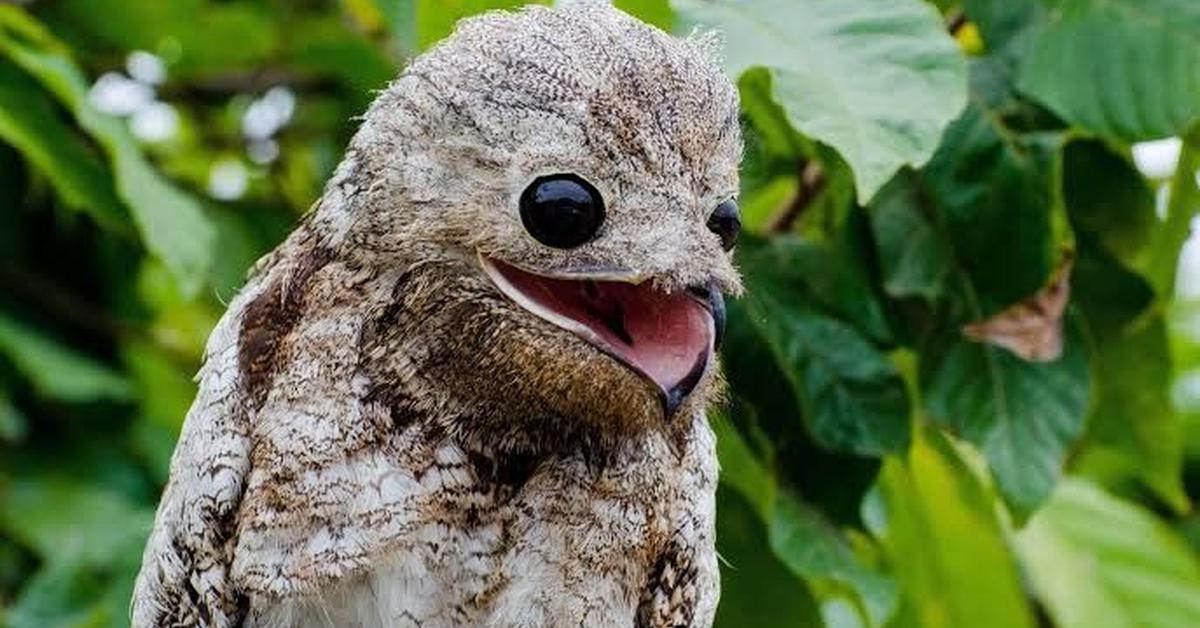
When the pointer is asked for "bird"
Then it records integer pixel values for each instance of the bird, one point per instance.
(470, 388)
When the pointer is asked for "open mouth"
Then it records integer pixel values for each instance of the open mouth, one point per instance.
(667, 338)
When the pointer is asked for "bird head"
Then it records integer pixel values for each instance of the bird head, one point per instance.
(554, 190)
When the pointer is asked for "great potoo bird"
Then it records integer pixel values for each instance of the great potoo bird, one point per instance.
(469, 389)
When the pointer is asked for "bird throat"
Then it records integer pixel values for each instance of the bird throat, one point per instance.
(667, 337)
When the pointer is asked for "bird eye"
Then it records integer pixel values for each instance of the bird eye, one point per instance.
(561, 210)
(726, 223)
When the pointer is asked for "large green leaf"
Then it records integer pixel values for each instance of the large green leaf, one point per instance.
(29, 122)
(878, 80)
(982, 209)
(56, 371)
(1124, 68)
(172, 224)
(992, 194)
(1096, 561)
(1023, 416)
(848, 392)
(944, 544)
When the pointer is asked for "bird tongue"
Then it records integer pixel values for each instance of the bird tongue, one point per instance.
(668, 337)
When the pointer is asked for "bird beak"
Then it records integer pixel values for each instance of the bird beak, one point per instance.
(666, 337)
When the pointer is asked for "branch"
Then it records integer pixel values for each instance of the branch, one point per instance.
(812, 181)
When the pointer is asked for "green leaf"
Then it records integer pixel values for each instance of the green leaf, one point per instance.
(1096, 561)
(1124, 68)
(29, 122)
(944, 543)
(813, 549)
(1133, 422)
(171, 223)
(1110, 295)
(993, 194)
(63, 596)
(55, 371)
(1133, 416)
(655, 12)
(916, 258)
(878, 80)
(1004, 23)
(13, 425)
(1107, 196)
(741, 470)
(67, 522)
(1182, 207)
(751, 573)
(436, 18)
(193, 34)
(849, 393)
(1022, 415)
(326, 46)
(807, 544)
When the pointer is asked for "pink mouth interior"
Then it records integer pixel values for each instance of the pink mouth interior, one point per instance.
(666, 336)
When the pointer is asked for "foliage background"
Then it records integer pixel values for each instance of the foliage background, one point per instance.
(910, 167)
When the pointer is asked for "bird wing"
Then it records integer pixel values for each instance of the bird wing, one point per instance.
(184, 579)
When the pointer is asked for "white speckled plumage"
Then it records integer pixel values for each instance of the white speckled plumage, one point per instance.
(382, 439)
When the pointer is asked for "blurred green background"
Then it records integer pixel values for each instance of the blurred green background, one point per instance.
(911, 167)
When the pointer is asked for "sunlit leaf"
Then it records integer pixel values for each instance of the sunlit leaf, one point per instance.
(436, 18)
(945, 545)
(656, 12)
(876, 80)
(1096, 561)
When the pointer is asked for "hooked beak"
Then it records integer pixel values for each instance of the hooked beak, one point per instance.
(666, 337)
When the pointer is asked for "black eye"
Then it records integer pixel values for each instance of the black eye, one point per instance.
(561, 210)
(725, 222)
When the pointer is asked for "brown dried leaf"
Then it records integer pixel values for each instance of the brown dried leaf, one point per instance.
(1031, 329)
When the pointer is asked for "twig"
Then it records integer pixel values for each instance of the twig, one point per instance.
(812, 181)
